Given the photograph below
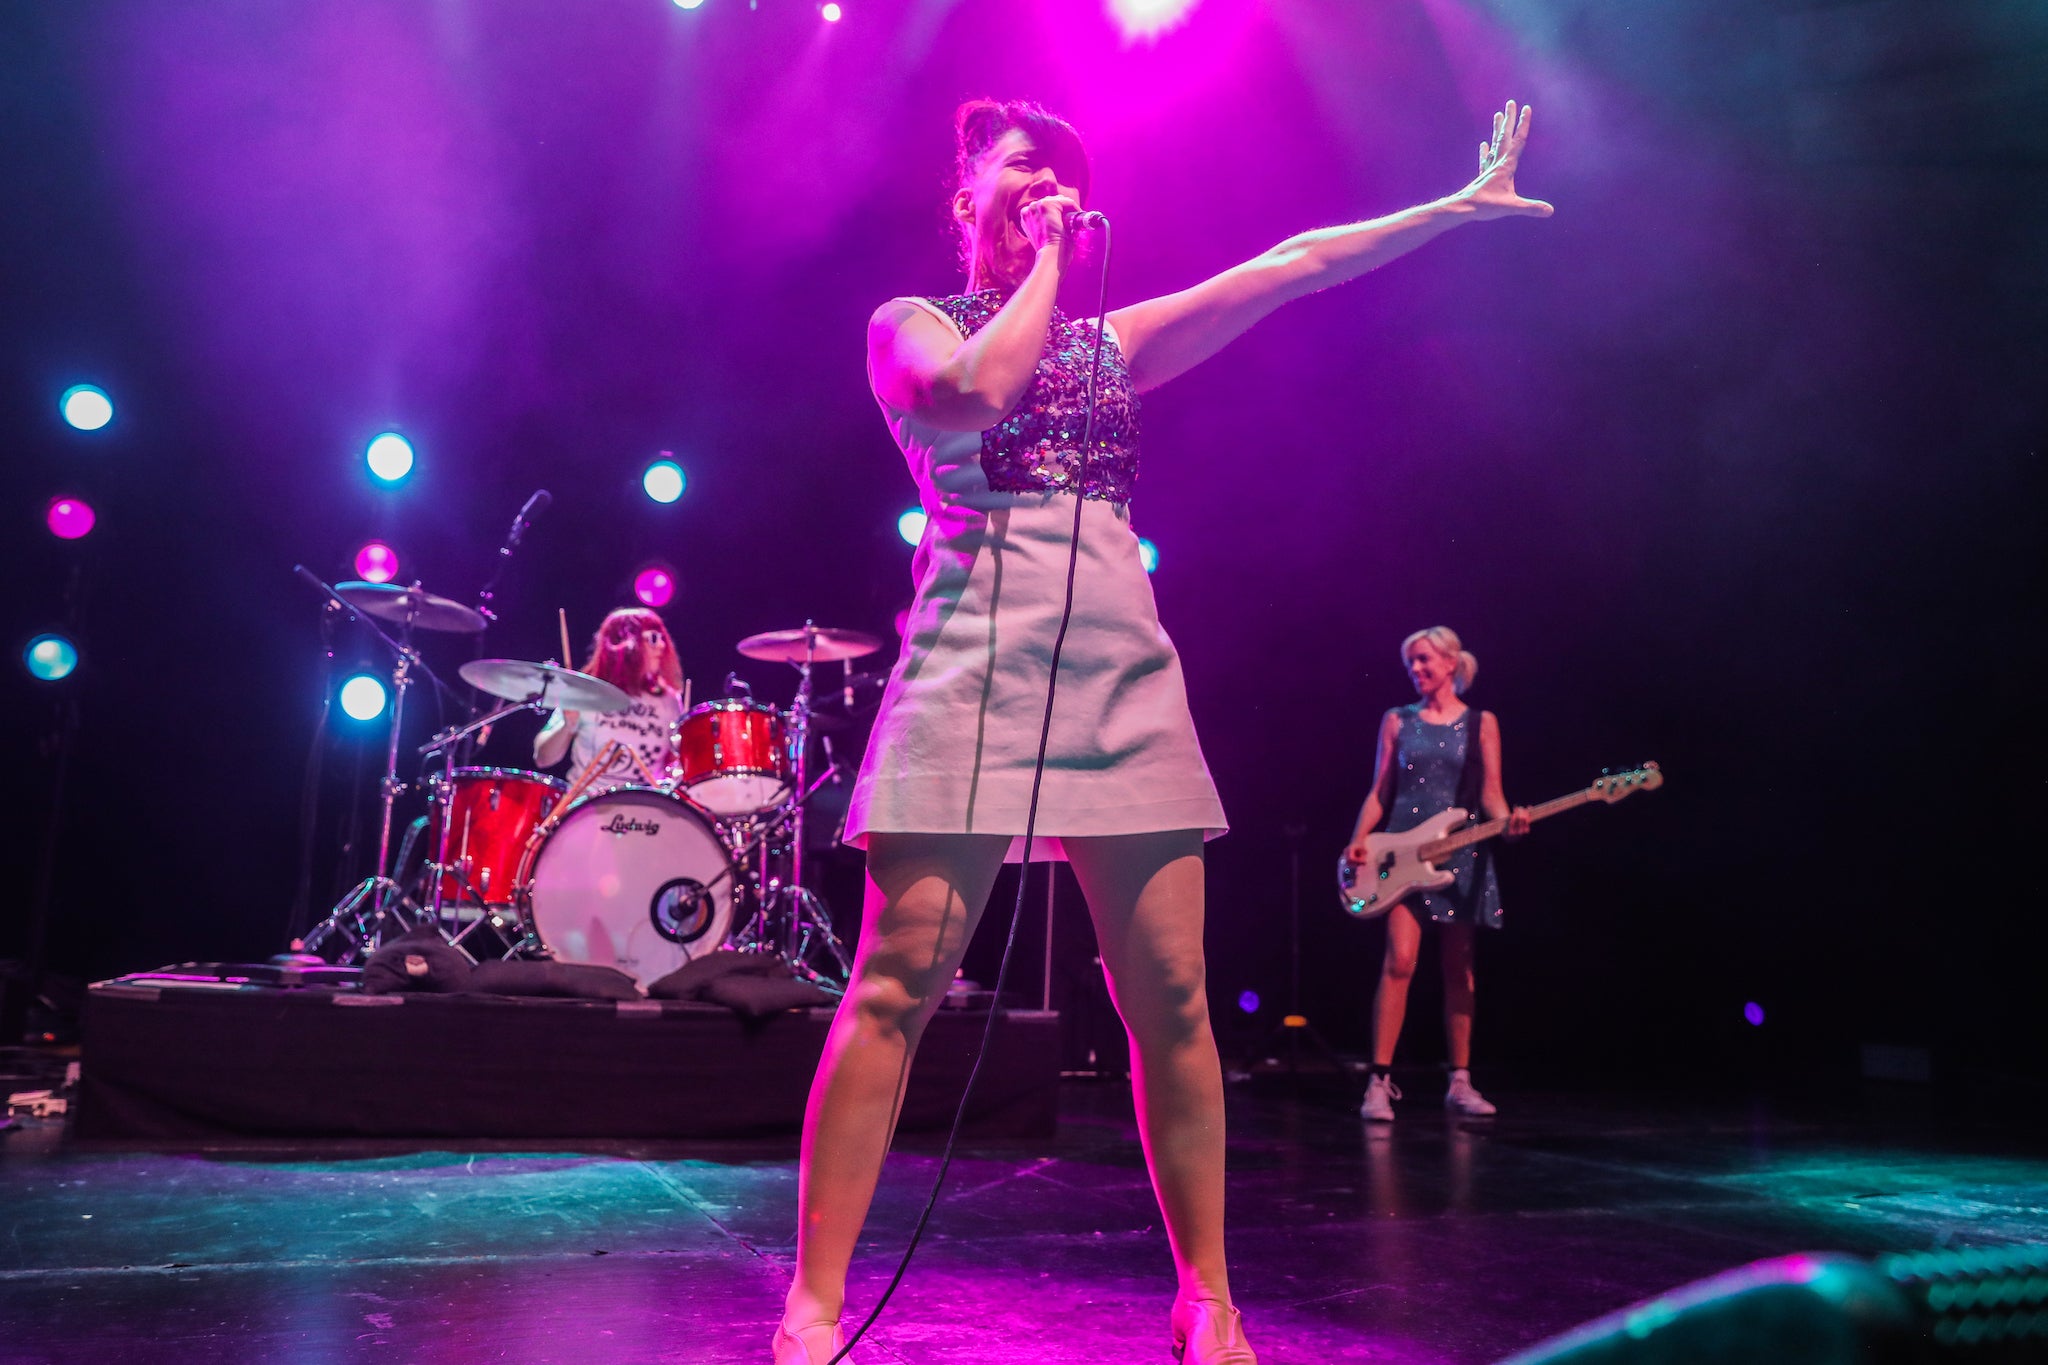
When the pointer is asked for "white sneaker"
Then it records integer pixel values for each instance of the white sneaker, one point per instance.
(1380, 1094)
(1461, 1098)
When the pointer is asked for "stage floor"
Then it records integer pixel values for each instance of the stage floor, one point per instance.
(1431, 1240)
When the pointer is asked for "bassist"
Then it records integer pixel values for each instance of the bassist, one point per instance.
(1432, 755)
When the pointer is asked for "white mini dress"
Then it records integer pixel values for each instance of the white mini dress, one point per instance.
(957, 734)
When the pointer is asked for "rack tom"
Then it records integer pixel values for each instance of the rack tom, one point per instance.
(732, 756)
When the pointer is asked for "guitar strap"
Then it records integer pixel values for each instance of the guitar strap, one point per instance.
(1471, 784)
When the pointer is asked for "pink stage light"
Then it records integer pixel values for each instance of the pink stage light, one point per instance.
(1142, 21)
(376, 563)
(654, 586)
(69, 518)
(830, 12)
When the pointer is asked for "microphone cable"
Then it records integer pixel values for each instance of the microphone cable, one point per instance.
(1030, 820)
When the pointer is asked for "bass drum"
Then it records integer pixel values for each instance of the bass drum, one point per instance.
(633, 878)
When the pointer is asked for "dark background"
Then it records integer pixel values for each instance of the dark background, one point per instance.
(1734, 464)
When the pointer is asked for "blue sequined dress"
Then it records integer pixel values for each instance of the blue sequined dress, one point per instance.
(1428, 761)
(957, 733)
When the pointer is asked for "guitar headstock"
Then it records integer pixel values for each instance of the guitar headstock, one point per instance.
(1613, 787)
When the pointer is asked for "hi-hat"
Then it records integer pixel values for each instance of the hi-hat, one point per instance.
(518, 680)
(422, 610)
(815, 644)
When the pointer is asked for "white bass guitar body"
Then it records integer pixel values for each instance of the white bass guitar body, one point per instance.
(1397, 864)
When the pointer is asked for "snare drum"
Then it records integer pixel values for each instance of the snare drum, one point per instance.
(732, 757)
(488, 814)
(634, 878)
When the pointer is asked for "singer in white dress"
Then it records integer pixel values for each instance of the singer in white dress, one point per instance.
(986, 395)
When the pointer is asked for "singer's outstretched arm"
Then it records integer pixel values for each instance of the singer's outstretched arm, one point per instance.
(1170, 335)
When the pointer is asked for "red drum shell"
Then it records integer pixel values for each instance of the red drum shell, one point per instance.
(490, 813)
(732, 756)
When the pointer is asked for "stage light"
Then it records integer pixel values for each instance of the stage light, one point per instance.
(363, 697)
(390, 457)
(68, 518)
(688, 4)
(664, 480)
(654, 586)
(911, 525)
(376, 563)
(1148, 20)
(86, 407)
(1754, 1013)
(1148, 555)
(830, 12)
(50, 657)
(1249, 1002)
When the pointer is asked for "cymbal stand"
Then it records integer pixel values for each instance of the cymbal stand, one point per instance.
(361, 918)
(791, 920)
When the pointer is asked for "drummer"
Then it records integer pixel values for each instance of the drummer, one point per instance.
(634, 652)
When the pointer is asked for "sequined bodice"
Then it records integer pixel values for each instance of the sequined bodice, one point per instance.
(1428, 761)
(1038, 446)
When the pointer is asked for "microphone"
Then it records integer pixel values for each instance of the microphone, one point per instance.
(535, 505)
(1085, 220)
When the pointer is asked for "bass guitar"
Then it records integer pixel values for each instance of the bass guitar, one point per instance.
(1396, 864)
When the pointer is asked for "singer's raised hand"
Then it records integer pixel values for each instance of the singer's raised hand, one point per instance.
(1492, 191)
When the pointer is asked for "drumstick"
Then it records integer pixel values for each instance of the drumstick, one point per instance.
(686, 696)
(562, 616)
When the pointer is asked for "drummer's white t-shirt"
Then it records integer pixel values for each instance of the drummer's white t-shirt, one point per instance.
(642, 727)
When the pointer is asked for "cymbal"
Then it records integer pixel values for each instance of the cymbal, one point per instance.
(518, 680)
(819, 644)
(391, 602)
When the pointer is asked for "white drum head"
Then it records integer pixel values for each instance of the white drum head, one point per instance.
(634, 879)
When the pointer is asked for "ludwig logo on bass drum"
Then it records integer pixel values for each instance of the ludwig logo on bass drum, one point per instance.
(630, 824)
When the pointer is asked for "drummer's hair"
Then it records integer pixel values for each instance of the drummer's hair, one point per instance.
(979, 124)
(1444, 640)
(618, 656)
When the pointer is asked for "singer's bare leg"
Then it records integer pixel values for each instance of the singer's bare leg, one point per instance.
(925, 893)
(1146, 894)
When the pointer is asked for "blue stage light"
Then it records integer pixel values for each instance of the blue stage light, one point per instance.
(1754, 1013)
(1249, 1002)
(50, 657)
(86, 407)
(664, 480)
(1148, 555)
(362, 697)
(390, 457)
(911, 525)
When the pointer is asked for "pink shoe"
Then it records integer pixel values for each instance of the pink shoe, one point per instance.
(813, 1345)
(1209, 1332)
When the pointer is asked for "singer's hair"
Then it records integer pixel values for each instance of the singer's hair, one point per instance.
(618, 655)
(979, 124)
(1445, 641)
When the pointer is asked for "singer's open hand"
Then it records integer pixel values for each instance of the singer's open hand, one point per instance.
(1043, 222)
(1492, 192)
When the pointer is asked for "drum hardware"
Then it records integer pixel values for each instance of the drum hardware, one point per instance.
(528, 686)
(362, 918)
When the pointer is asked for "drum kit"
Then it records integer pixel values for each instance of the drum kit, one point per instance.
(643, 874)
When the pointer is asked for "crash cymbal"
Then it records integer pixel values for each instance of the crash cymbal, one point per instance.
(518, 680)
(819, 644)
(390, 602)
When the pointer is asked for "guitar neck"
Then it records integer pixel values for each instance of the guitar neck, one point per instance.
(1480, 833)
